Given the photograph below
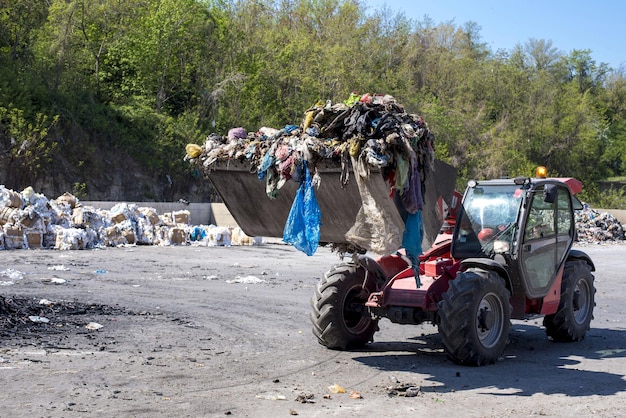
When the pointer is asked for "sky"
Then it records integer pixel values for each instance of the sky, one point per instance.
(598, 26)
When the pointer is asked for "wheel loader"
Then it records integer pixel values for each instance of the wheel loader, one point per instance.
(501, 251)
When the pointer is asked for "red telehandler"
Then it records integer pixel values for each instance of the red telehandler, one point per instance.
(504, 251)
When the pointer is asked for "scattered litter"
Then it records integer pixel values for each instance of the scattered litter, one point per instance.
(246, 280)
(305, 398)
(403, 389)
(12, 274)
(412, 391)
(45, 302)
(271, 396)
(212, 277)
(38, 319)
(56, 280)
(336, 389)
(59, 268)
(93, 326)
(100, 271)
(355, 395)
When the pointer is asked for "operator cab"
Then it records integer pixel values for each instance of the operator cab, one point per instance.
(530, 222)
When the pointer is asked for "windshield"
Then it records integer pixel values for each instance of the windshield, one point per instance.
(488, 212)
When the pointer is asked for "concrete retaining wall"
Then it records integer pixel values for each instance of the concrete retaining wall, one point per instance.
(217, 214)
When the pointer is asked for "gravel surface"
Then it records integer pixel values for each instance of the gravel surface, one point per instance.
(217, 331)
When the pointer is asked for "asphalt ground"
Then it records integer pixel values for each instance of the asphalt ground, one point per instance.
(224, 331)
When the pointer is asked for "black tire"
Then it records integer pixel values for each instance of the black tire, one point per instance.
(339, 317)
(475, 318)
(571, 320)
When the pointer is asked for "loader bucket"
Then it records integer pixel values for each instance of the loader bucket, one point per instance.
(258, 215)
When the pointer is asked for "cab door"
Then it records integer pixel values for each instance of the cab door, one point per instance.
(547, 237)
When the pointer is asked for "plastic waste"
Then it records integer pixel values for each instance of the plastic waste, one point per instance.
(246, 280)
(12, 274)
(38, 319)
(193, 150)
(271, 396)
(335, 388)
(58, 268)
(412, 391)
(302, 229)
(374, 228)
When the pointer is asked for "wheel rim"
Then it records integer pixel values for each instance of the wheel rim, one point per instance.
(582, 301)
(353, 307)
(490, 320)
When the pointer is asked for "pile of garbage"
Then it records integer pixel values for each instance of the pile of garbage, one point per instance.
(593, 226)
(372, 128)
(364, 132)
(31, 220)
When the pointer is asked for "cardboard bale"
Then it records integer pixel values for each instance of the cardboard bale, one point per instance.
(129, 236)
(15, 199)
(145, 232)
(8, 215)
(177, 236)
(67, 199)
(237, 237)
(80, 217)
(181, 217)
(71, 239)
(118, 218)
(29, 219)
(34, 239)
(14, 237)
(219, 236)
(151, 214)
(113, 237)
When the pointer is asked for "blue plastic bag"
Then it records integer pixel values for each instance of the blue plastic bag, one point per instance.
(302, 229)
(412, 237)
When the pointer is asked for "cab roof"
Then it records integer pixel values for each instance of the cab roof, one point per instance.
(575, 186)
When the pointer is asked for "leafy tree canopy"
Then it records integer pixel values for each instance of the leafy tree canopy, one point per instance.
(145, 77)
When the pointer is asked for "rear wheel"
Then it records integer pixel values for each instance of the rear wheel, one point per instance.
(571, 320)
(339, 317)
(475, 317)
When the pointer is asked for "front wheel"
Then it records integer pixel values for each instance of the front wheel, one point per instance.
(475, 317)
(339, 317)
(572, 318)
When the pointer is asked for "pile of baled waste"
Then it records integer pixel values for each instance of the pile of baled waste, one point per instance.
(31, 220)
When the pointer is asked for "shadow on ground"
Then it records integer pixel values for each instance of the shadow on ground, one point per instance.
(531, 364)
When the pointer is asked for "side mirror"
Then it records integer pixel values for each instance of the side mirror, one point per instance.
(549, 193)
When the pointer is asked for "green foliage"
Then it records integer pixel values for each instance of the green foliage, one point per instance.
(145, 77)
(30, 147)
(80, 190)
(613, 198)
